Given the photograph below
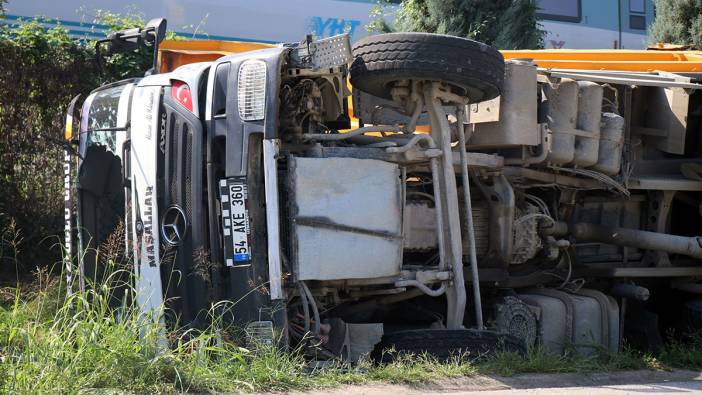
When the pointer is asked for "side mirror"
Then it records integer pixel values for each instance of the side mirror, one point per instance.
(154, 32)
(123, 41)
(127, 40)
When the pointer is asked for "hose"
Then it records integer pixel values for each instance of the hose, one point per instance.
(423, 287)
(315, 311)
(416, 139)
(305, 306)
(533, 216)
(602, 178)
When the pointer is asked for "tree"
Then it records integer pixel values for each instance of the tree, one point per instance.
(505, 24)
(677, 22)
(41, 69)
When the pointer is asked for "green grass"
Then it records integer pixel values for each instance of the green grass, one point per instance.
(53, 342)
(540, 361)
(683, 355)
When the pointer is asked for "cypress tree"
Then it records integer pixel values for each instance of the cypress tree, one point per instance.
(677, 22)
(505, 24)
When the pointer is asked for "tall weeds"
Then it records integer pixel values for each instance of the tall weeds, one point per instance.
(59, 342)
(52, 341)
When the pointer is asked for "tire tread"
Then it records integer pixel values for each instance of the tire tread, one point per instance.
(474, 66)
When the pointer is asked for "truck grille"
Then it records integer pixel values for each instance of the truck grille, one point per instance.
(185, 267)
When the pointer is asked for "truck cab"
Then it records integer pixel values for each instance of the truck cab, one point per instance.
(140, 166)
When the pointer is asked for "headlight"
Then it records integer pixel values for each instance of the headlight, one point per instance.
(252, 90)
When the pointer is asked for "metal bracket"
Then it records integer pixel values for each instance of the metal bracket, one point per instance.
(324, 53)
(270, 169)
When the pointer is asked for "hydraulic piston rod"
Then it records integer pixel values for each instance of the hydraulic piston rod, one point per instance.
(446, 197)
(469, 227)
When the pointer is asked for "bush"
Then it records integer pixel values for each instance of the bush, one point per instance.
(505, 24)
(677, 22)
(40, 71)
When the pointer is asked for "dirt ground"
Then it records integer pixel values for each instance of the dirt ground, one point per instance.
(641, 381)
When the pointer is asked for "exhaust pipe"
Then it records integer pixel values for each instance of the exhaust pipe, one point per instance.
(690, 246)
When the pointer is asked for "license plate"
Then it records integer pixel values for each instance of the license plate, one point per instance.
(235, 221)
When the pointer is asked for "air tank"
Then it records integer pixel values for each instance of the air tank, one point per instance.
(609, 158)
(587, 140)
(562, 115)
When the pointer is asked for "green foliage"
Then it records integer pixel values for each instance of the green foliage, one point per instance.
(538, 360)
(55, 341)
(378, 16)
(677, 22)
(52, 341)
(683, 354)
(40, 71)
(505, 24)
(125, 64)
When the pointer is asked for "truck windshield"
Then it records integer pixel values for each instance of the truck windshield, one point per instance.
(106, 120)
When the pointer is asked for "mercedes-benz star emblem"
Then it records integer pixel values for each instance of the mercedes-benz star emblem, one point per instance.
(173, 225)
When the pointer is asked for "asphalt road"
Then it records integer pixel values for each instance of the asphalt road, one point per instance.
(632, 382)
(679, 387)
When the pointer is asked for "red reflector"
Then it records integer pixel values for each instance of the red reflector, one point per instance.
(181, 92)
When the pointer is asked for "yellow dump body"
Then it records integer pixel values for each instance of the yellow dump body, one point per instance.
(174, 53)
(613, 60)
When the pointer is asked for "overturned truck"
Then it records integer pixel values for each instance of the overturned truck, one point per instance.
(464, 201)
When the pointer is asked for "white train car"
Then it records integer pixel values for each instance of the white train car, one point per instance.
(580, 24)
(568, 23)
(270, 21)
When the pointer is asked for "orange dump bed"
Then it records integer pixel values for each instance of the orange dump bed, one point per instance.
(174, 53)
(613, 59)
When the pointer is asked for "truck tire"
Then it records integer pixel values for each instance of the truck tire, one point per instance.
(475, 70)
(444, 344)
